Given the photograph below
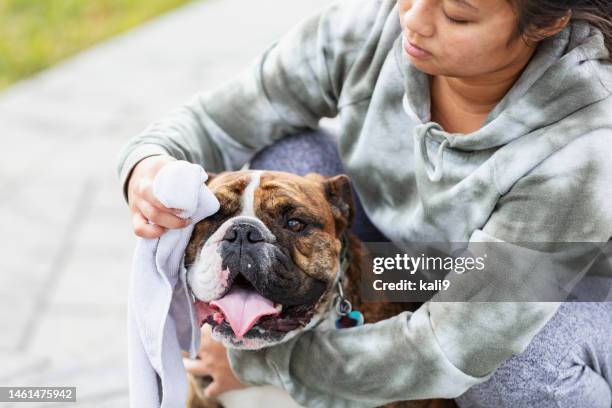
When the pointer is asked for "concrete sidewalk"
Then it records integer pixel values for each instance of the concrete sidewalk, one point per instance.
(66, 238)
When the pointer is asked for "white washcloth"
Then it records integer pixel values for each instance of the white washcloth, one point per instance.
(161, 319)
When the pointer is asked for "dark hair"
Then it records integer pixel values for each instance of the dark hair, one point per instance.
(539, 14)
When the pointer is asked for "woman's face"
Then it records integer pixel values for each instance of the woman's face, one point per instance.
(461, 38)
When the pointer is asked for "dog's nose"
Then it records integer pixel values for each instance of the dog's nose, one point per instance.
(243, 233)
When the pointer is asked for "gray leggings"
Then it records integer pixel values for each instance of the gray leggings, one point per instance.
(567, 365)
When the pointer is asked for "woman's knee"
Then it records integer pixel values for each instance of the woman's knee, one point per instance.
(526, 385)
(516, 384)
(310, 152)
(562, 367)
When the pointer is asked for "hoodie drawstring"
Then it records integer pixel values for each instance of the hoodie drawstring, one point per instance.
(433, 167)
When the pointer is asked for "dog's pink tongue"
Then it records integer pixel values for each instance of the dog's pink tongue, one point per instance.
(243, 308)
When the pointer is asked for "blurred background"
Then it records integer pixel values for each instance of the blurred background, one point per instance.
(78, 78)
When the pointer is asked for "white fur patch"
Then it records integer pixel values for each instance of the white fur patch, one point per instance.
(205, 277)
(248, 196)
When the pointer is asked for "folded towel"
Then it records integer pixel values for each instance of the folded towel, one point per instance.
(161, 318)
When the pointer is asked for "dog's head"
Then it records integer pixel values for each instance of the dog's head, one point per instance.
(263, 267)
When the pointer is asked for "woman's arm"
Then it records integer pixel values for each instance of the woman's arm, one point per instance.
(288, 89)
(445, 347)
(439, 351)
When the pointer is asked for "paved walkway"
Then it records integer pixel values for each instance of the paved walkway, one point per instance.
(66, 240)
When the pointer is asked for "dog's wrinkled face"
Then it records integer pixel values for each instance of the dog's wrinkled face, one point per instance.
(262, 268)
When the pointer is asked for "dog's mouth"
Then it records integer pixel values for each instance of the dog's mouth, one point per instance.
(242, 311)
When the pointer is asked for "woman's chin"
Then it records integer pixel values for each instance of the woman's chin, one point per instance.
(432, 68)
(424, 65)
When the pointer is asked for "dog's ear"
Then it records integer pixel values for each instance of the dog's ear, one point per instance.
(340, 195)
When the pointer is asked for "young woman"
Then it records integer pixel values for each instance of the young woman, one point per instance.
(461, 121)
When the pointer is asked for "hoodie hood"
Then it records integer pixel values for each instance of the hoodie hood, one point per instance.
(566, 73)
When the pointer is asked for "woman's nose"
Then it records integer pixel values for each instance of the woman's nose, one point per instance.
(418, 17)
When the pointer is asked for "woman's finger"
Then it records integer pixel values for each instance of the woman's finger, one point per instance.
(213, 389)
(146, 192)
(161, 217)
(197, 367)
(205, 334)
(145, 230)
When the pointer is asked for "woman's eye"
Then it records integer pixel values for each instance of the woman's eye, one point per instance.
(455, 20)
(295, 225)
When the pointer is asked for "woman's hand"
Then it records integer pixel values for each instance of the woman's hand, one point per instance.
(144, 206)
(213, 361)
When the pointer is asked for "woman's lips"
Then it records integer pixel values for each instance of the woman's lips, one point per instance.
(415, 51)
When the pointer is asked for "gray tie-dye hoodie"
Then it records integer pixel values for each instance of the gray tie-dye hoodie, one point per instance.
(539, 170)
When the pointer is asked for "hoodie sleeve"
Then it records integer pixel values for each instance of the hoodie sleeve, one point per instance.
(548, 229)
(288, 89)
(445, 347)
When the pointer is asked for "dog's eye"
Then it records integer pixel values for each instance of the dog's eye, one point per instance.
(295, 225)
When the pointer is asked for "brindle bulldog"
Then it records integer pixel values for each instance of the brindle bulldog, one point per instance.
(263, 268)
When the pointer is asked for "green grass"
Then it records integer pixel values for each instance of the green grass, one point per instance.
(35, 34)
